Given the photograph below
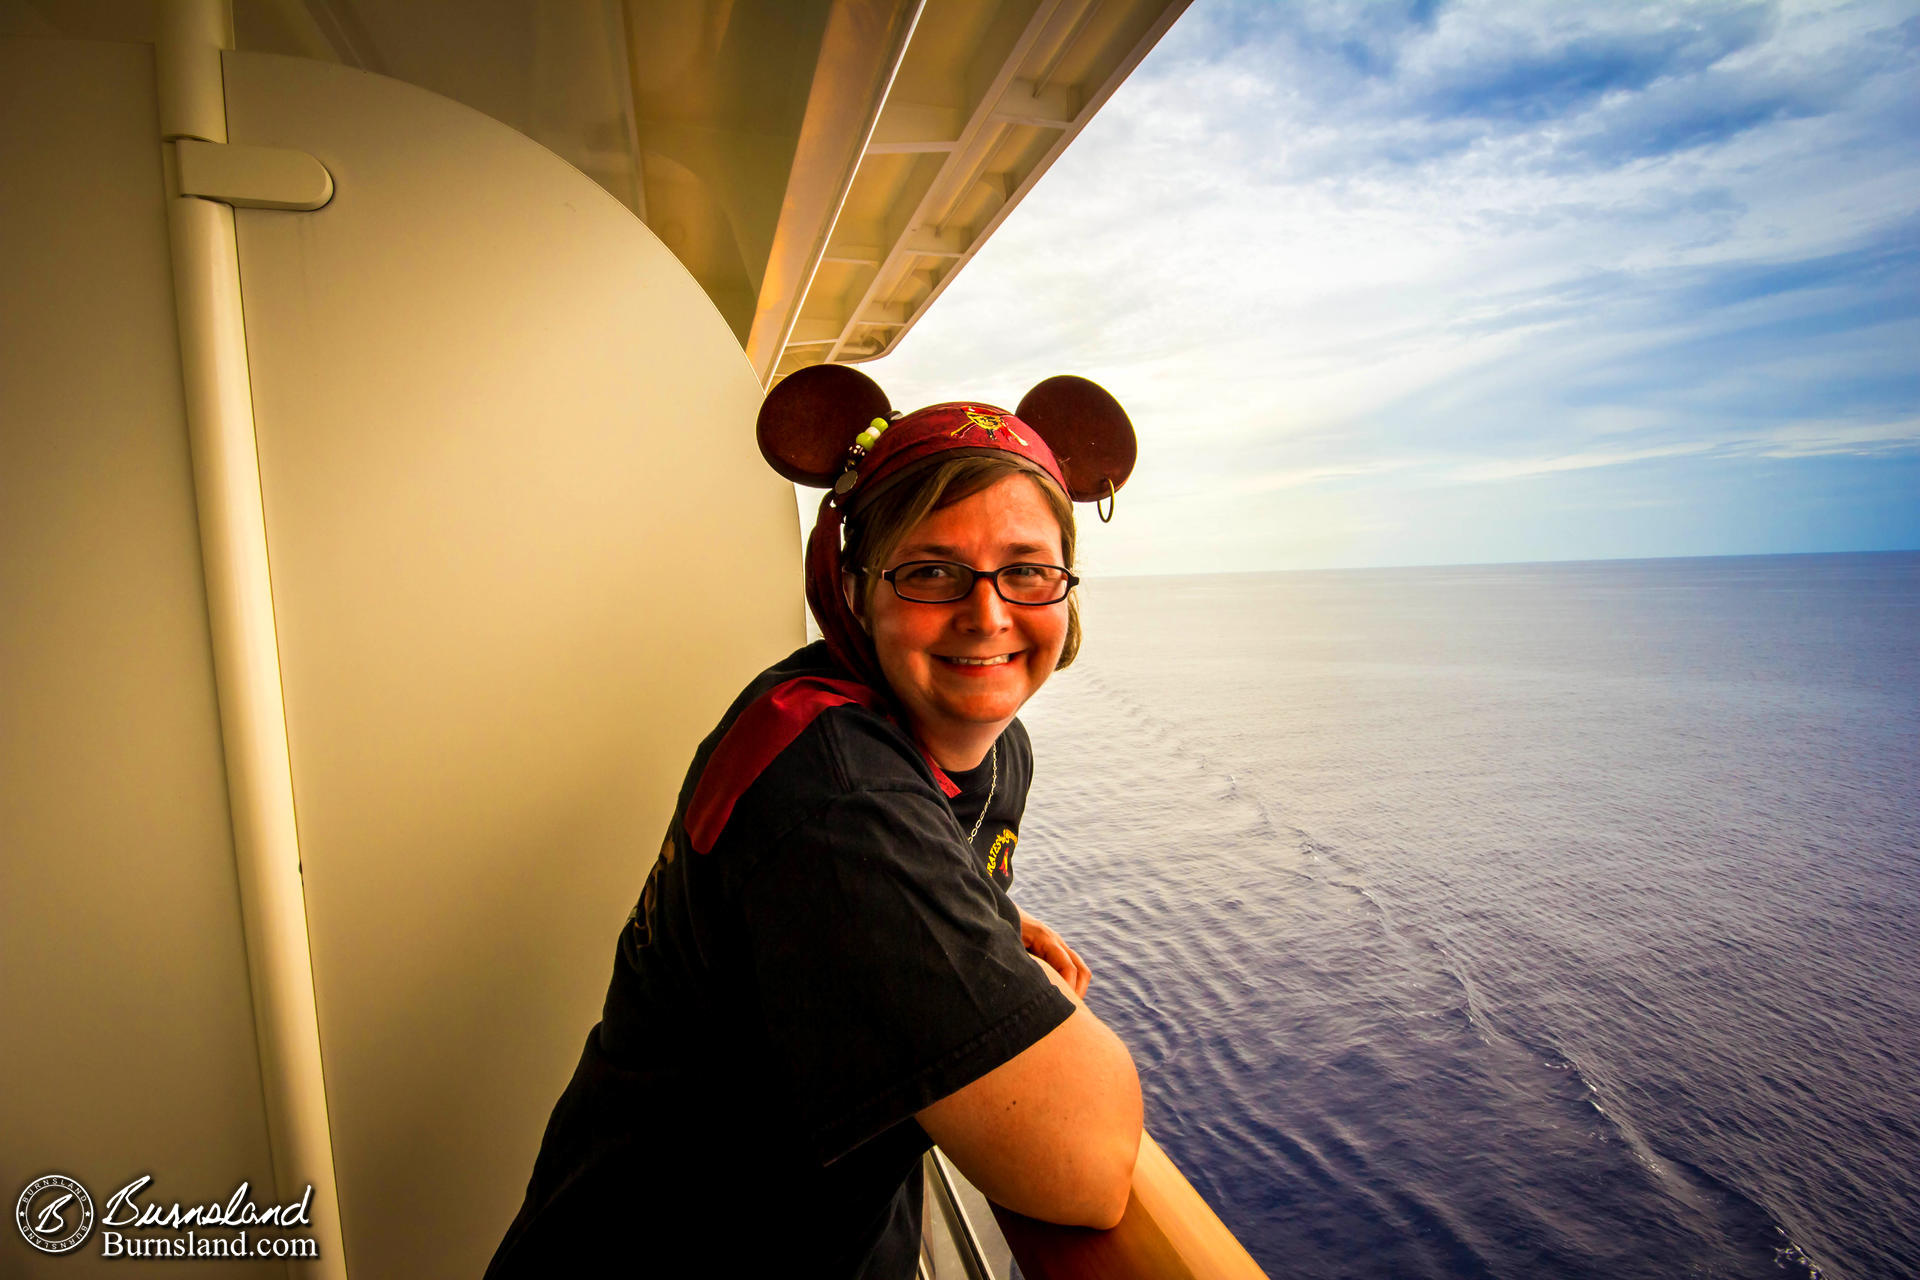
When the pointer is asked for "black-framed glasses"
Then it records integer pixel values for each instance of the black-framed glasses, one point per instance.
(943, 582)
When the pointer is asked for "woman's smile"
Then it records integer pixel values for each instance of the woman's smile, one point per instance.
(998, 660)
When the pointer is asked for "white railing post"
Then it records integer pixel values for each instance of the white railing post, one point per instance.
(233, 542)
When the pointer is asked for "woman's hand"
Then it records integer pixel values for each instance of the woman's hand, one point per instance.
(1046, 944)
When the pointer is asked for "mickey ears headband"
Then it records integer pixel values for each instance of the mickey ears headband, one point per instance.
(809, 424)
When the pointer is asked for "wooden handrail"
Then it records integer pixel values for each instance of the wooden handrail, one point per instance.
(1167, 1233)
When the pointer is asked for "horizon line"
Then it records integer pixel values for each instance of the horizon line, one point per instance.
(1513, 564)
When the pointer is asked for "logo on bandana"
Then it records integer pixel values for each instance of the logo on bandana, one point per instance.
(990, 423)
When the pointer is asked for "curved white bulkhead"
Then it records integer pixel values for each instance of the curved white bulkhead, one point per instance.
(522, 552)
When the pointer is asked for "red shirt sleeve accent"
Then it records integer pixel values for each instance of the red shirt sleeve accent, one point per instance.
(758, 734)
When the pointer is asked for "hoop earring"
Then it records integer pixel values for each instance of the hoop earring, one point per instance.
(1106, 517)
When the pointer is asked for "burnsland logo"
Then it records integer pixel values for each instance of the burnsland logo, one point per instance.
(55, 1215)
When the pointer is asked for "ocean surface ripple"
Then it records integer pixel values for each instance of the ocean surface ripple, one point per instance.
(1509, 921)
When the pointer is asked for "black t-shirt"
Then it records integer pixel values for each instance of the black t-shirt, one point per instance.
(783, 1003)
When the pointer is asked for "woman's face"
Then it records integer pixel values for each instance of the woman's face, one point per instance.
(963, 669)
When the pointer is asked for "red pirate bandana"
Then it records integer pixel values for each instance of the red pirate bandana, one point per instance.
(945, 429)
(830, 426)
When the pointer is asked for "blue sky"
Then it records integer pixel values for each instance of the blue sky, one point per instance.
(1424, 283)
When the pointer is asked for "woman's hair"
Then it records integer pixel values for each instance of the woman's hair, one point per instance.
(885, 521)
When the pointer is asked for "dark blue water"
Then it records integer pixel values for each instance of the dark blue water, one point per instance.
(1510, 921)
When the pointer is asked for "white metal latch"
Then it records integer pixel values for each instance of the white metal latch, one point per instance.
(252, 177)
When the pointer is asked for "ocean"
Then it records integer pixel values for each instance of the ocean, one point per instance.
(1509, 921)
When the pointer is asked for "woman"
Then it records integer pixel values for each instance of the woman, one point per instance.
(824, 972)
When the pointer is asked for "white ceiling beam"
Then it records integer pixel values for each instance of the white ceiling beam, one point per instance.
(859, 255)
(905, 128)
(810, 333)
(863, 346)
(949, 242)
(1053, 107)
(998, 189)
(886, 314)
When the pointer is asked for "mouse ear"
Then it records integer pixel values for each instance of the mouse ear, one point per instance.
(1088, 432)
(809, 420)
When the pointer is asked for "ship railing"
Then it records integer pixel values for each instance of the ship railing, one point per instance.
(1168, 1232)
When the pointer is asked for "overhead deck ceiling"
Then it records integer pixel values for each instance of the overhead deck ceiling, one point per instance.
(822, 167)
(986, 97)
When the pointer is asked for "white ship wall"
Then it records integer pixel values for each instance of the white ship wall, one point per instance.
(126, 1029)
(522, 554)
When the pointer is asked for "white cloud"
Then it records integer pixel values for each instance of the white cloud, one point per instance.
(1325, 250)
(1813, 439)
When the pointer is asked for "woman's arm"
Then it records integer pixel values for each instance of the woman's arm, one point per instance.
(1054, 1131)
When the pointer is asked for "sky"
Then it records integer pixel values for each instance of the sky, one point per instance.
(1398, 282)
